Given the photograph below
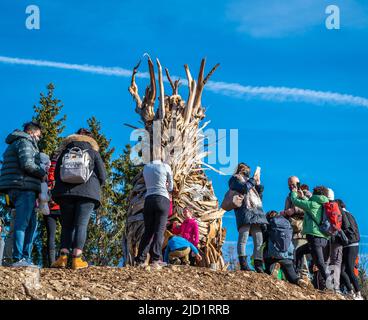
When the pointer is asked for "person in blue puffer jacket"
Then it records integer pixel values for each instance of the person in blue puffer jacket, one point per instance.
(279, 251)
(178, 250)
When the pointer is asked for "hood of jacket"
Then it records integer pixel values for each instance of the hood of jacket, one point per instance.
(17, 134)
(319, 199)
(78, 138)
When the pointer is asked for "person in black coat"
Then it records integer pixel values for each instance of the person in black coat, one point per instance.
(77, 201)
(20, 178)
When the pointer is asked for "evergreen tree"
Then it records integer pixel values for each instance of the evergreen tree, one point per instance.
(104, 243)
(98, 233)
(124, 171)
(5, 220)
(47, 114)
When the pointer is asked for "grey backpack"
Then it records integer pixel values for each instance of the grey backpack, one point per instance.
(76, 166)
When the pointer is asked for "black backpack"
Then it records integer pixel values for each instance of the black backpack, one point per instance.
(352, 233)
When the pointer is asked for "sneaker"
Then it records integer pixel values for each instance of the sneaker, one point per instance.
(306, 280)
(23, 263)
(158, 264)
(175, 261)
(302, 283)
(141, 265)
(276, 269)
(358, 296)
(329, 283)
(32, 265)
(350, 294)
(339, 292)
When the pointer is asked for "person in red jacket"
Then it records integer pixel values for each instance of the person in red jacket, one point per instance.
(54, 217)
(188, 229)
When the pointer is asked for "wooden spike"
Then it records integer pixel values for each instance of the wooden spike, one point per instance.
(162, 92)
(210, 73)
(152, 93)
(200, 86)
(133, 89)
(170, 80)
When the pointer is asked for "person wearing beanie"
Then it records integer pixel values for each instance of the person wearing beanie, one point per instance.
(330, 194)
(334, 259)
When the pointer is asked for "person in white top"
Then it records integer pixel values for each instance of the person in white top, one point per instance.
(159, 182)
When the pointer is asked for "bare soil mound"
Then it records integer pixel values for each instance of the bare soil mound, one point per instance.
(174, 282)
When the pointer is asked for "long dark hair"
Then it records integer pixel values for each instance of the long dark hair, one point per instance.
(242, 168)
(320, 191)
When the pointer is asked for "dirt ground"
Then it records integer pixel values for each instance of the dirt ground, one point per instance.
(174, 282)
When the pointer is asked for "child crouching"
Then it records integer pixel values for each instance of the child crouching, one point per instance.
(178, 250)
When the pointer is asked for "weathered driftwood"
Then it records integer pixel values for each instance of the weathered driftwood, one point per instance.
(193, 189)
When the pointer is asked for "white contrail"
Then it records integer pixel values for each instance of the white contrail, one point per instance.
(114, 71)
(233, 89)
(287, 94)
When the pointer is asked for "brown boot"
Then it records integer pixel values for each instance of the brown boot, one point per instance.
(79, 263)
(244, 264)
(61, 262)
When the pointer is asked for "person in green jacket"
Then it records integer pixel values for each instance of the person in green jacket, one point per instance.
(20, 177)
(317, 240)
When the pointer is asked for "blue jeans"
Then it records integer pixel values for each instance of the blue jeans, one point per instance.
(25, 223)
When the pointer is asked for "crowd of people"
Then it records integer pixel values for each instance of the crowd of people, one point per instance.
(313, 241)
(64, 188)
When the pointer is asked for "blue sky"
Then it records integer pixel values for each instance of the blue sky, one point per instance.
(258, 44)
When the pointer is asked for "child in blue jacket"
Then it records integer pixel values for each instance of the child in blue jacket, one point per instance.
(178, 250)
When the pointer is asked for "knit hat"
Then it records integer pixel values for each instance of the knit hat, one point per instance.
(331, 194)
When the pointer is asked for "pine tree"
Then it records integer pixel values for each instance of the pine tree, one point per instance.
(98, 233)
(5, 222)
(124, 171)
(107, 226)
(47, 114)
